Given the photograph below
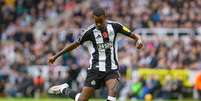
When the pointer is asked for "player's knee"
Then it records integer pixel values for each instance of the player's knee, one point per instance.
(83, 99)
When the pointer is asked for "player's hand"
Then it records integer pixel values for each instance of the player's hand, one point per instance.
(139, 44)
(51, 60)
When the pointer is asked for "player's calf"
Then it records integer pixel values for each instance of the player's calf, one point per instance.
(111, 94)
(112, 85)
(74, 95)
(82, 97)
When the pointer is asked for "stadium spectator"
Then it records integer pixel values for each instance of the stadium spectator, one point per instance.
(198, 86)
(31, 29)
(38, 83)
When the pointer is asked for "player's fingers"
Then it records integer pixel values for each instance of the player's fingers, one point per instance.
(50, 61)
(140, 46)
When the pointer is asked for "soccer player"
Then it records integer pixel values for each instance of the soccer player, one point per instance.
(100, 38)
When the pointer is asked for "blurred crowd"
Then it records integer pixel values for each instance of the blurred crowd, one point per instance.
(152, 88)
(33, 30)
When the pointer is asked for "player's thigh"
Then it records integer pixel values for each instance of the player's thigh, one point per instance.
(86, 93)
(93, 80)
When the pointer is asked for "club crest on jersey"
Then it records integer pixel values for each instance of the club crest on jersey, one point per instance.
(105, 35)
(93, 82)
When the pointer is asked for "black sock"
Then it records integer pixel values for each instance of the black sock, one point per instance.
(69, 92)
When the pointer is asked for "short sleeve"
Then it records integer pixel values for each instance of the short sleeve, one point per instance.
(119, 28)
(83, 37)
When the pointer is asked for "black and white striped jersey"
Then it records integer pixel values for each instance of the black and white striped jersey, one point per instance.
(102, 45)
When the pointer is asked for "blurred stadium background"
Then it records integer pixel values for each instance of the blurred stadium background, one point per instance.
(168, 68)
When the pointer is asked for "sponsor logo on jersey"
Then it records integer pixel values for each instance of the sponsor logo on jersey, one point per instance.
(98, 36)
(104, 45)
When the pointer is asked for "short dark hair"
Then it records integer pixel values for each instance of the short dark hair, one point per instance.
(98, 11)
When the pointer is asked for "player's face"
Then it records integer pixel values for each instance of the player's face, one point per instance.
(100, 21)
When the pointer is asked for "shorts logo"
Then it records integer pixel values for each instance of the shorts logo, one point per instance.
(93, 82)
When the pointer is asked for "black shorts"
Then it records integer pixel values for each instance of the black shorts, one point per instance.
(97, 79)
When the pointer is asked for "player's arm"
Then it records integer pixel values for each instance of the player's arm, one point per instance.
(69, 48)
(125, 31)
(64, 50)
(137, 39)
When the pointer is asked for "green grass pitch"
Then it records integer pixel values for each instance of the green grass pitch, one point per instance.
(43, 99)
(62, 99)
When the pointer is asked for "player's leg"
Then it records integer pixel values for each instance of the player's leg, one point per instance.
(85, 94)
(65, 90)
(112, 85)
(112, 82)
(91, 84)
